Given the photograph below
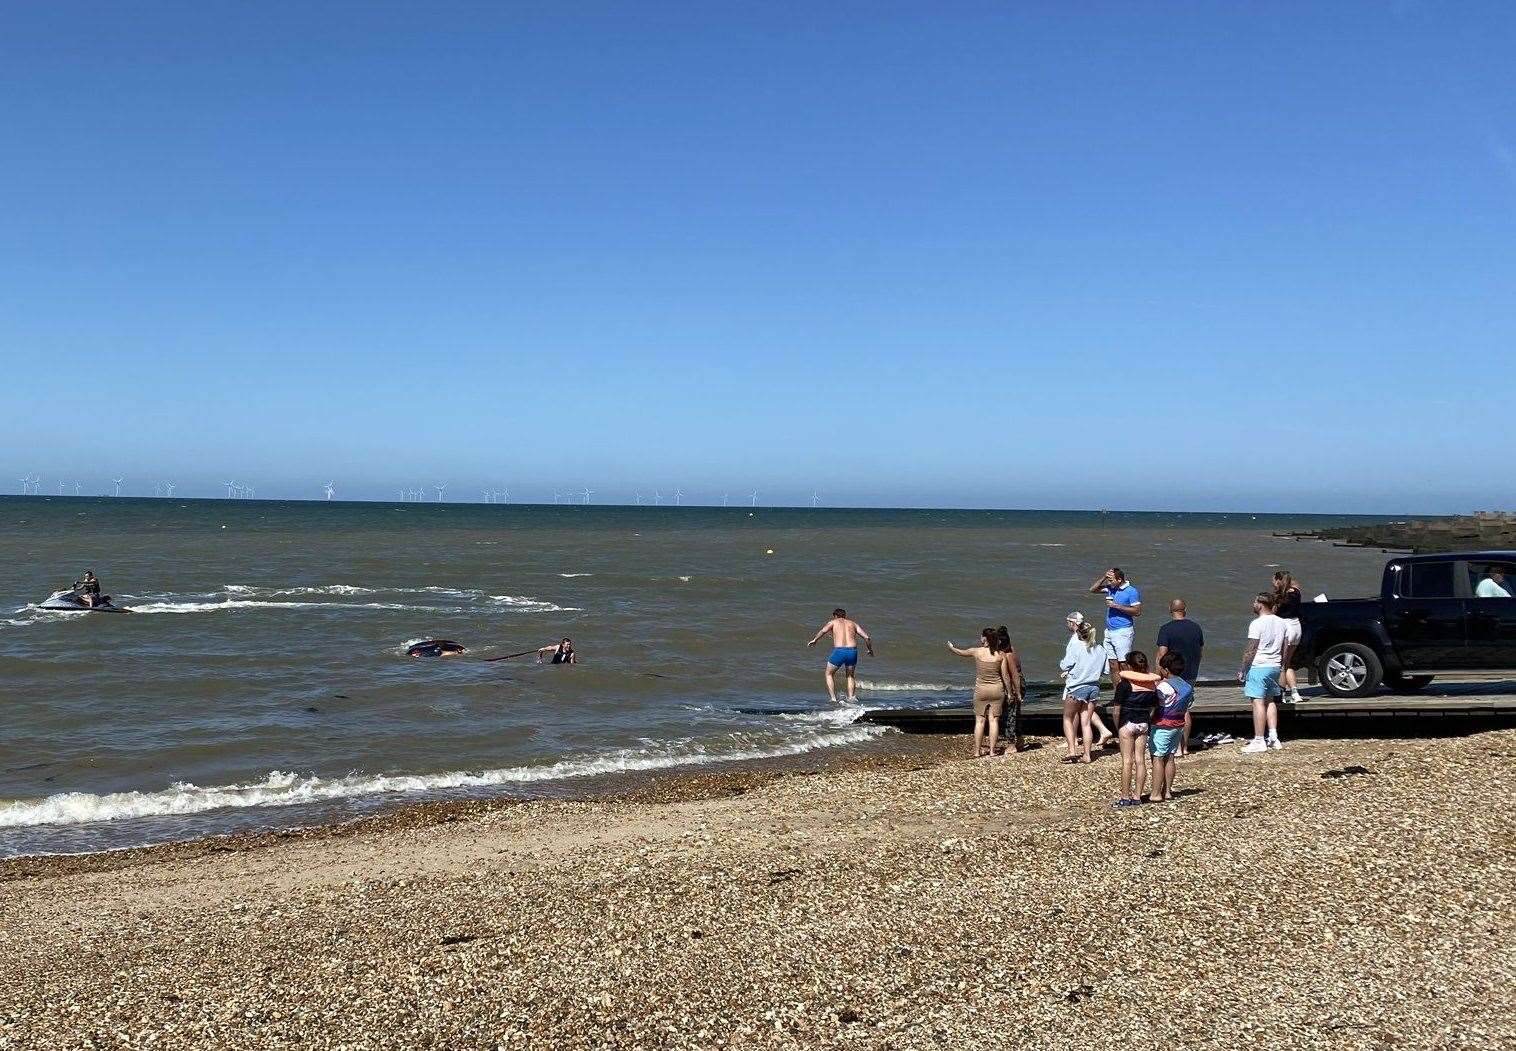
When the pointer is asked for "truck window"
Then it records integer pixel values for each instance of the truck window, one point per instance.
(1492, 579)
(1429, 580)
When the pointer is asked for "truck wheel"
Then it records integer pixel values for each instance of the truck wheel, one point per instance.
(1407, 683)
(1350, 669)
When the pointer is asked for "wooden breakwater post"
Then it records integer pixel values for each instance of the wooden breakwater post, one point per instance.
(1485, 530)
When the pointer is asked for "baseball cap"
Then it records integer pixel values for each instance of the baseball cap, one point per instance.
(1075, 617)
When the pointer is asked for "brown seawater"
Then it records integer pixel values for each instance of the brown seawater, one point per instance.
(262, 678)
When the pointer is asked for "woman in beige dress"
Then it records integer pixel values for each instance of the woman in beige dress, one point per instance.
(992, 685)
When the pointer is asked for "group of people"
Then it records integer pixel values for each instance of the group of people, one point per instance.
(1151, 699)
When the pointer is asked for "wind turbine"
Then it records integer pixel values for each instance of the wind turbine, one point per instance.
(168, 488)
(78, 488)
(505, 495)
(439, 489)
(588, 492)
(815, 500)
(754, 497)
(657, 498)
(60, 487)
(557, 496)
(157, 488)
(229, 487)
(330, 488)
(248, 492)
(678, 497)
(117, 483)
(723, 499)
(639, 499)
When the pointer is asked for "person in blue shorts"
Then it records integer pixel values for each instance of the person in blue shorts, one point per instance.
(1175, 695)
(1262, 663)
(845, 635)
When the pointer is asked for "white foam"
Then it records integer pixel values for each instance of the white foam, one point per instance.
(531, 605)
(911, 687)
(288, 789)
(27, 616)
(572, 575)
(846, 715)
(230, 604)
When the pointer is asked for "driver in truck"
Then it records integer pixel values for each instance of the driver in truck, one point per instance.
(1494, 584)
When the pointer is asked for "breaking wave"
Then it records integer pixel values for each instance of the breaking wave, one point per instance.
(288, 789)
(912, 687)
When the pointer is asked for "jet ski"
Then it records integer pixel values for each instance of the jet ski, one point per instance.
(71, 600)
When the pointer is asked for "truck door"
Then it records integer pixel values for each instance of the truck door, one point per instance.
(1425, 616)
(1492, 614)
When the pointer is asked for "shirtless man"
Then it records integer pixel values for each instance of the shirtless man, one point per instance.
(845, 635)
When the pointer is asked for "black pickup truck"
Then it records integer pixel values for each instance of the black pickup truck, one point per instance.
(1435, 615)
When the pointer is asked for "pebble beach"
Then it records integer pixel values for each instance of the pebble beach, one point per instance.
(1342, 893)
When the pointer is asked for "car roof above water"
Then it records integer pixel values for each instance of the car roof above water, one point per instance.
(1457, 556)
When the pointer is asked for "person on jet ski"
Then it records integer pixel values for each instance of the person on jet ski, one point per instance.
(87, 588)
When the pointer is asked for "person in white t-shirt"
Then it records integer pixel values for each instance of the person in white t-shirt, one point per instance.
(1494, 584)
(1262, 662)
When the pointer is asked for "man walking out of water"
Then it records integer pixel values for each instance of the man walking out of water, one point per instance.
(1123, 605)
(845, 636)
(1183, 636)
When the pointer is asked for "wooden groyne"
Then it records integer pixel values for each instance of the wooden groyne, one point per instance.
(1487, 530)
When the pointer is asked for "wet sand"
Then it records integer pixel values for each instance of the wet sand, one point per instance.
(915, 901)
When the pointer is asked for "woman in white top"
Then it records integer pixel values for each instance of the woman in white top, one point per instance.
(1082, 665)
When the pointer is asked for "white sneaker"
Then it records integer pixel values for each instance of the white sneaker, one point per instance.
(1275, 743)
(1295, 697)
(1256, 745)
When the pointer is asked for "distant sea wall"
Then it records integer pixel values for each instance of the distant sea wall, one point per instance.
(1485, 530)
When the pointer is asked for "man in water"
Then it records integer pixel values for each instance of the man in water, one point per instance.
(88, 589)
(1183, 636)
(1123, 605)
(845, 635)
(563, 653)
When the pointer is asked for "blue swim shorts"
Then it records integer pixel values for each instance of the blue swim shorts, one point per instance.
(844, 657)
(1086, 693)
(1262, 683)
(1164, 740)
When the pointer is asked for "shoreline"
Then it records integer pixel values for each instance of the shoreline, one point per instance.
(718, 780)
(1283, 901)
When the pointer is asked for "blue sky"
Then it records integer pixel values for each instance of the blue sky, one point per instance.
(1128, 255)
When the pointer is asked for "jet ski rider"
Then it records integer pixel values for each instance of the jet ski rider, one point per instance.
(87, 588)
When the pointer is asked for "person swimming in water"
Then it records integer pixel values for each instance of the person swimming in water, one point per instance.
(563, 653)
(845, 635)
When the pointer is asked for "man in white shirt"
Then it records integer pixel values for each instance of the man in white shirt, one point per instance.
(1262, 662)
(1494, 584)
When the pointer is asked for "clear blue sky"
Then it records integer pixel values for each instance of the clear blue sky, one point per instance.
(1254, 256)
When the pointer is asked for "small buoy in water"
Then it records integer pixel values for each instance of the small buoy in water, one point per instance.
(770, 551)
(223, 527)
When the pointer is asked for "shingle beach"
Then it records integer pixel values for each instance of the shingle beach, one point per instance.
(1286, 900)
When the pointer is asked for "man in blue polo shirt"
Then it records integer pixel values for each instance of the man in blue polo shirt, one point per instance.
(1123, 605)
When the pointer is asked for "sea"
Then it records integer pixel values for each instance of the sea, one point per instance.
(262, 678)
